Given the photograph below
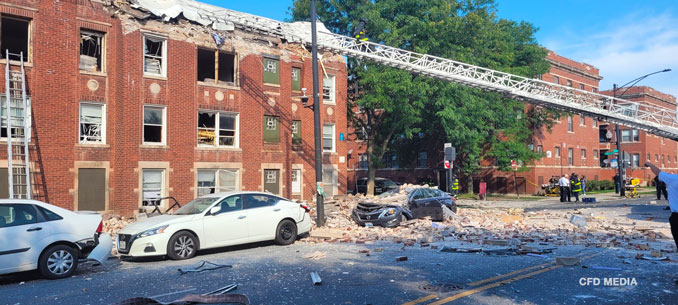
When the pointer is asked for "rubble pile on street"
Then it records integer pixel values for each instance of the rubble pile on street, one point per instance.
(114, 223)
(489, 226)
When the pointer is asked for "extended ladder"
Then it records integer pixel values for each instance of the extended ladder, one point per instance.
(16, 127)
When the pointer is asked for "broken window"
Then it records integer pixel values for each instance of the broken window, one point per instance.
(328, 89)
(271, 71)
(92, 127)
(152, 186)
(91, 51)
(154, 55)
(217, 180)
(271, 129)
(14, 37)
(211, 63)
(217, 129)
(296, 79)
(154, 118)
(328, 137)
(296, 132)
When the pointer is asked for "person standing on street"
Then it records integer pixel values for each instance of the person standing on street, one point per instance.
(564, 184)
(583, 185)
(661, 188)
(671, 181)
(576, 186)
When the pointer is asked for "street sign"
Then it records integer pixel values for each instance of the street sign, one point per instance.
(447, 164)
(611, 152)
(450, 153)
(514, 165)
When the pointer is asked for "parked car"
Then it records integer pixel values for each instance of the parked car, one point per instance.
(37, 235)
(366, 214)
(381, 185)
(430, 202)
(216, 220)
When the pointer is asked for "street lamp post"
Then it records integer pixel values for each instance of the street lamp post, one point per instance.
(620, 153)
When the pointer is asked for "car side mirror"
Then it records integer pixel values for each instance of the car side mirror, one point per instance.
(215, 210)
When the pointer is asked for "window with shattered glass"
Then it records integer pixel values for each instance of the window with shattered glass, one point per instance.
(14, 36)
(328, 89)
(91, 51)
(154, 55)
(217, 129)
(217, 180)
(213, 63)
(92, 123)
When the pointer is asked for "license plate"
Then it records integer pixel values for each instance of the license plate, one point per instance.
(122, 244)
(369, 225)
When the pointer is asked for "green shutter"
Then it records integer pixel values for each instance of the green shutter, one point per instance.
(296, 132)
(271, 71)
(271, 129)
(296, 79)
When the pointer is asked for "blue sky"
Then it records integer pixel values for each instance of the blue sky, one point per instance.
(624, 39)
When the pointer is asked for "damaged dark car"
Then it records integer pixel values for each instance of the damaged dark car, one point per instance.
(421, 202)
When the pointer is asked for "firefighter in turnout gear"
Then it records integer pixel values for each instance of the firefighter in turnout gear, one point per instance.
(455, 185)
(576, 186)
(359, 32)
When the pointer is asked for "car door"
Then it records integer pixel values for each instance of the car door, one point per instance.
(228, 226)
(21, 234)
(264, 215)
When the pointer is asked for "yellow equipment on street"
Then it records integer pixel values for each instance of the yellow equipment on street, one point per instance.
(632, 189)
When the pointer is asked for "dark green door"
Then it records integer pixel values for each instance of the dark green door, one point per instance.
(91, 189)
(272, 181)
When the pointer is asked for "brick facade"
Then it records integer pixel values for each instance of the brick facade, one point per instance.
(57, 87)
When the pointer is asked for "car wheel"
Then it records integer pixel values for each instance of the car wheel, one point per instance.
(182, 245)
(286, 233)
(59, 261)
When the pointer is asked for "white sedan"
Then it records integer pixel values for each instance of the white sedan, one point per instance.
(37, 235)
(216, 220)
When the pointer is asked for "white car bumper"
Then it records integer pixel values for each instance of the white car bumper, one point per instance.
(304, 226)
(145, 246)
(103, 249)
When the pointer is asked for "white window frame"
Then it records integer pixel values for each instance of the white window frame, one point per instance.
(217, 188)
(582, 120)
(103, 123)
(296, 183)
(102, 46)
(163, 132)
(163, 58)
(236, 141)
(330, 79)
(162, 183)
(583, 153)
(334, 137)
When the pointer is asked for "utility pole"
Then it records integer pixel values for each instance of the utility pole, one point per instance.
(620, 154)
(320, 200)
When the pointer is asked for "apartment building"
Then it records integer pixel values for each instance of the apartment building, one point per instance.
(128, 106)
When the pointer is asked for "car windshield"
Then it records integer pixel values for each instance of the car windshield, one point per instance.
(196, 206)
(388, 183)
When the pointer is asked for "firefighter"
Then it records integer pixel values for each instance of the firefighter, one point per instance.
(359, 32)
(455, 185)
(576, 186)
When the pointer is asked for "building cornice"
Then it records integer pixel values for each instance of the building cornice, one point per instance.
(574, 70)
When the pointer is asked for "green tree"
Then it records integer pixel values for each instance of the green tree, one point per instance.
(480, 124)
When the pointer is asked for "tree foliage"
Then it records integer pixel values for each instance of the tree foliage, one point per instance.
(417, 110)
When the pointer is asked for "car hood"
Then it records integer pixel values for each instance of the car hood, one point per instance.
(152, 222)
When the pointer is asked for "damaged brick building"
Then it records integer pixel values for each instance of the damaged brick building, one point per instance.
(132, 102)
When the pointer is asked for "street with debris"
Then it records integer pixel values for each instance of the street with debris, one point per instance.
(491, 253)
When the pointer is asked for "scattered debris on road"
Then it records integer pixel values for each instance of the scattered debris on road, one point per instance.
(401, 258)
(316, 278)
(202, 266)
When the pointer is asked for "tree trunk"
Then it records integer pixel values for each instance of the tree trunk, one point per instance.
(371, 171)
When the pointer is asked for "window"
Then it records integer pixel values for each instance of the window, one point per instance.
(530, 147)
(231, 204)
(217, 180)
(595, 90)
(152, 186)
(296, 79)
(595, 122)
(211, 63)
(648, 157)
(271, 129)
(92, 123)
(556, 80)
(569, 123)
(662, 141)
(362, 161)
(581, 86)
(296, 132)
(656, 157)
(155, 57)
(583, 153)
(17, 214)
(663, 163)
(422, 159)
(296, 181)
(569, 83)
(582, 120)
(540, 149)
(570, 156)
(49, 215)
(253, 201)
(557, 152)
(629, 135)
(154, 121)
(217, 129)
(328, 137)
(14, 36)
(328, 89)
(92, 51)
(595, 154)
(390, 160)
(271, 70)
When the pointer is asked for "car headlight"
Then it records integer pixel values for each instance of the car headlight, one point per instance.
(388, 212)
(153, 231)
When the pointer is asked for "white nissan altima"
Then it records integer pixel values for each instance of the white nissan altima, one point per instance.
(37, 235)
(216, 220)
